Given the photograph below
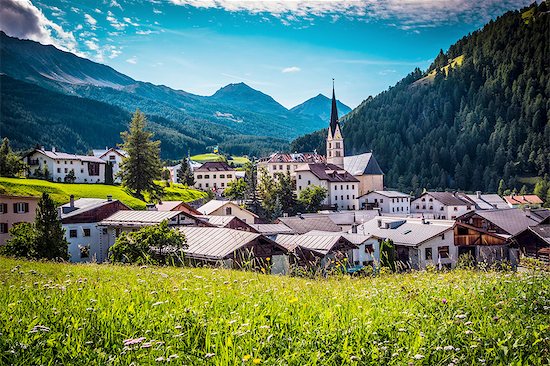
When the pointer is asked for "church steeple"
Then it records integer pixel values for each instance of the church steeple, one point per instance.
(335, 140)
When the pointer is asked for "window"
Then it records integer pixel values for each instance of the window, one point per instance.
(468, 207)
(381, 200)
(342, 197)
(228, 211)
(417, 207)
(341, 186)
(347, 186)
(66, 170)
(299, 188)
(112, 157)
(229, 176)
(59, 170)
(82, 171)
(299, 176)
(65, 162)
(222, 176)
(288, 167)
(431, 207)
(392, 209)
(356, 263)
(431, 199)
(73, 233)
(274, 167)
(347, 197)
(336, 198)
(87, 232)
(206, 185)
(104, 231)
(3, 228)
(353, 186)
(368, 248)
(337, 153)
(443, 236)
(223, 184)
(423, 207)
(20, 207)
(3, 208)
(441, 208)
(455, 208)
(308, 182)
(443, 251)
(71, 162)
(84, 251)
(280, 167)
(335, 187)
(206, 176)
(214, 176)
(199, 176)
(428, 254)
(330, 145)
(423, 200)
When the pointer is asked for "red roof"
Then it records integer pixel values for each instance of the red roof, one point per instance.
(527, 199)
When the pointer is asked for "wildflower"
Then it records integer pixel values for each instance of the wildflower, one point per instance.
(209, 355)
(246, 358)
(256, 361)
(418, 356)
(131, 341)
(158, 303)
(160, 359)
(460, 316)
(448, 348)
(444, 300)
(268, 259)
(293, 300)
(147, 345)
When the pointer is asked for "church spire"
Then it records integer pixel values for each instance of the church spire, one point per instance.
(334, 112)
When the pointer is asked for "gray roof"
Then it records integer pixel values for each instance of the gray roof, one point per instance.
(214, 166)
(303, 224)
(405, 231)
(59, 155)
(543, 231)
(511, 220)
(328, 172)
(82, 205)
(345, 217)
(356, 239)
(322, 244)
(218, 243)
(213, 205)
(139, 218)
(447, 198)
(272, 229)
(219, 221)
(99, 153)
(294, 158)
(488, 201)
(389, 194)
(363, 164)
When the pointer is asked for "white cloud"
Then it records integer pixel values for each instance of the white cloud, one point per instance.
(21, 19)
(132, 60)
(115, 23)
(407, 14)
(290, 69)
(129, 21)
(90, 19)
(145, 32)
(157, 11)
(115, 4)
(91, 45)
(98, 11)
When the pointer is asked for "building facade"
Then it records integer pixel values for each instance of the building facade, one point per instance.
(112, 158)
(280, 163)
(441, 205)
(388, 202)
(15, 210)
(228, 208)
(214, 176)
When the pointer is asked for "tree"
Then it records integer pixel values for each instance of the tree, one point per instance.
(185, 175)
(50, 235)
(251, 193)
(10, 163)
(387, 254)
(165, 175)
(501, 187)
(70, 177)
(140, 246)
(285, 193)
(267, 194)
(312, 197)
(236, 190)
(142, 165)
(22, 241)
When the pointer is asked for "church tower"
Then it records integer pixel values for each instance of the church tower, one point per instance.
(335, 140)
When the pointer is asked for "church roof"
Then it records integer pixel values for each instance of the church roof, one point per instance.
(333, 115)
(328, 172)
(363, 164)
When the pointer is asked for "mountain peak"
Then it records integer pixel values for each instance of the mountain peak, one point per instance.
(320, 106)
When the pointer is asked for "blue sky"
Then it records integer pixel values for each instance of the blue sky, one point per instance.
(288, 49)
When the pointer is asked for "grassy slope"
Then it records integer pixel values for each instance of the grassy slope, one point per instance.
(218, 317)
(202, 158)
(61, 192)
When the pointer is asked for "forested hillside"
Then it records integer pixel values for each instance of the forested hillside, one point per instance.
(468, 125)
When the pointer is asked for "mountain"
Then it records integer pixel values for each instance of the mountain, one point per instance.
(319, 106)
(234, 113)
(479, 114)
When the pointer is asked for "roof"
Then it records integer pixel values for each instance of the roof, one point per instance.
(214, 166)
(19, 197)
(511, 220)
(447, 198)
(333, 114)
(486, 201)
(59, 155)
(321, 244)
(356, 239)
(294, 158)
(303, 224)
(389, 194)
(218, 243)
(219, 221)
(214, 205)
(405, 231)
(345, 217)
(99, 153)
(328, 172)
(527, 199)
(272, 229)
(82, 205)
(540, 214)
(171, 205)
(363, 164)
(139, 217)
(543, 231)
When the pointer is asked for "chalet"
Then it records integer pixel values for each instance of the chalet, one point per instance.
(14, 210)
(86, 169)
(534, 242)
(228, 208)
(418, 242)
(174, 169)
(280, 163)
(214, 176)
(387, 202)
(174, 206)
(345, 220)
(113, 158)
(302, 224)
(80, 220)
(525, 200)
(342, 187)
(229, 222)
(234, 249)
(441, 205)
(272, 230)
(485, 201)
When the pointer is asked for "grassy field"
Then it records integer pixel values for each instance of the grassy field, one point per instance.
(108, 315)
(60, 192)
(202, 158)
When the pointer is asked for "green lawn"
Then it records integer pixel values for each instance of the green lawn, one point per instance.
(60, 192)
(202, 158)
(83, 314)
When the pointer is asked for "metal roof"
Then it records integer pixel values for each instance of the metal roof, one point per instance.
(220, 221)
(487, 201)
(356, 239)
(214, 205)
(447, 198)
(64, 156)
(294, 158)
(543, 231)
(214, 166)
(303, 224)
(405, 231)
(82, 205)
(99, 153)
(218, 243)
(511, 220)
(140, 217)
(389, 194)
(320, 243)
(271, 229)
(362, 164)
(345, 217)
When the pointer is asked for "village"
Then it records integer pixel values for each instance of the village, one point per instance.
(357, 223)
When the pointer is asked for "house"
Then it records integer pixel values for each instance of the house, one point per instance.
(441, 205)
(534, 242)
(86, 169)
(234, 249)
(485, 201)
(345, 220)
(214, 176)
(418, 242)
(388, 202)
(228, 208)
(486, 235)
(281, 163)
(174, 169)
(174, 206)
(113, 158)
(302, 224)
(342, 187)
(229, 222)
(272, 230)
(80, 220)
(525, 200)
(14, 210)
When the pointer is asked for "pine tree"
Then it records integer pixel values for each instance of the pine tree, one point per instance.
(285, 193)
(50, 235)
(142, 165)
(10, 163)
(185, 175)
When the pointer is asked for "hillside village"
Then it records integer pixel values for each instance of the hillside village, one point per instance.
(353, 220)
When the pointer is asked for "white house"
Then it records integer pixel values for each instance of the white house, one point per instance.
(441, 205)
(112, 157)
(80, 220)
(388, 202)
(418, 242)
(342, 187)
(214, 176)
(87, 169)
(280, 163)
(228, 208)
(174, 169)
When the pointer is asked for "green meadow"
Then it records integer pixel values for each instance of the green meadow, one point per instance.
(60, 192)
(61, 314)
(203, 158)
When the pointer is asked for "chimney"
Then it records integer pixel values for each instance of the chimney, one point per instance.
(71, 202)
(285, 214)
(53, 148)
(528, 211)
(109, 197)
(354, 229)
(379, 223)
(478, 194)
(151, 207)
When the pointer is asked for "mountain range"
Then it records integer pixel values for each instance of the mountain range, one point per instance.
(238, 118)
